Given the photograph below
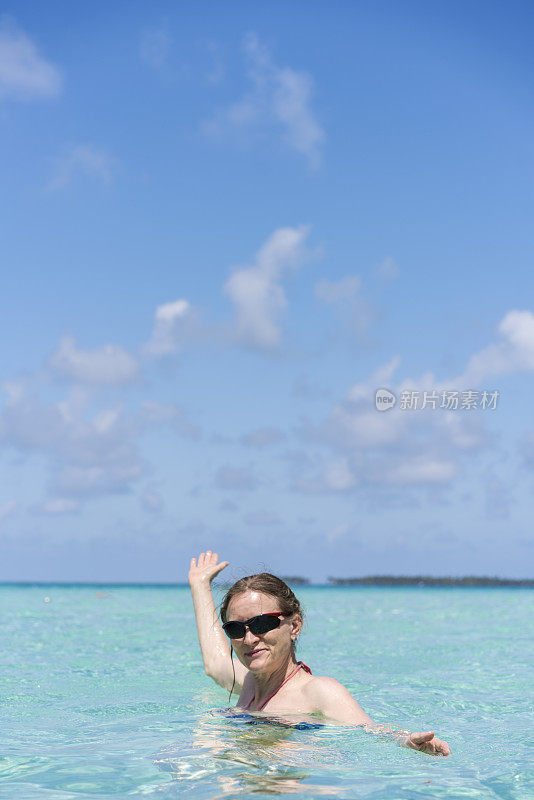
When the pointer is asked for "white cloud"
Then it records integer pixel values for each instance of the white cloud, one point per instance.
(279, 100)
(172, 323)
(7, 509)
(81, 159)
(263, 437)
(422, 470)
(90, 449)
(152, 501)
(262, 518)
(394, 448)
(58, 506)
(155, 47)
(109, 364)
(95, 456)
(382, 376)
(256, 291)
(119, 467)
(346, 297)
(513, 352)
(387, 270)
(337, 532)
(236, 478)
(342, 291)
(155, 413)
(24, 73)
(338, 475)
(354, 422)
(227, 505)
(14, 390)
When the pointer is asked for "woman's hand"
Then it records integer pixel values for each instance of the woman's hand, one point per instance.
(427, 743)
(206, 569)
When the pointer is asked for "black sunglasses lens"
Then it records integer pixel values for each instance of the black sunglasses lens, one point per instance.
(263, 624)
(257, 625)
(234, 630)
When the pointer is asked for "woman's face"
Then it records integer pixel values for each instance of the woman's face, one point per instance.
(268, 651)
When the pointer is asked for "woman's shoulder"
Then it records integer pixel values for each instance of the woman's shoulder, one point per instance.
(329, 697)
(324, 686)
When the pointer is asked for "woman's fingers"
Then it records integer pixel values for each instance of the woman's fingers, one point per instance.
(427, 743)
(419, 738)
(442, 747)
(207, 560)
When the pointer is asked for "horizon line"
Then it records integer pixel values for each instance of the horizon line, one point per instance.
(333, 582)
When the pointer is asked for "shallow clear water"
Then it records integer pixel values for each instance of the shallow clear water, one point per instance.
(105, 697)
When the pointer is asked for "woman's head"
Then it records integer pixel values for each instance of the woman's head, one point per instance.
(263, 594)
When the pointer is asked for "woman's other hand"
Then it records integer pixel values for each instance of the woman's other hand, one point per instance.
(205, 568)
(427, 743)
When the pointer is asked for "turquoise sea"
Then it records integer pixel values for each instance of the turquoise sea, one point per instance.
(103, 695)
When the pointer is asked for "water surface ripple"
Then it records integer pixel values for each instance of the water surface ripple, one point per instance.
(105, 697)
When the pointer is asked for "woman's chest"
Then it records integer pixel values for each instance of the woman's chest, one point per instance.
(294, 701)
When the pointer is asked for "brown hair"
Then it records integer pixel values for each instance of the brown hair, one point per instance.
(265, 583)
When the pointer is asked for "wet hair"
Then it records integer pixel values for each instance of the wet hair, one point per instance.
(265, 583)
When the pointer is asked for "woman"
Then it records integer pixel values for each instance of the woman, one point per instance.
(262, 619)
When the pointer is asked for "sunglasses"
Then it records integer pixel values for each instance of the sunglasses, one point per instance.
(256, 625)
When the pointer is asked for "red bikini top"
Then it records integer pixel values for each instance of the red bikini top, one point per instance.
(299, 665)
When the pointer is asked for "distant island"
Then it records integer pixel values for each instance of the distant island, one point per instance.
(428, 580)
(296, 580)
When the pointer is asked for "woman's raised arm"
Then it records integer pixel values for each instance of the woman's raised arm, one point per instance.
(213, 642)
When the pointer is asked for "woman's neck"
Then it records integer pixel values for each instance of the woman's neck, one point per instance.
(266, 683)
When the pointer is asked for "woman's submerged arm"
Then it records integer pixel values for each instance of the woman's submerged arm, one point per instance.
(213, 642)
(336, 702)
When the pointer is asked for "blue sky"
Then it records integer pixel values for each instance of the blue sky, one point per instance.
(223, 229)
